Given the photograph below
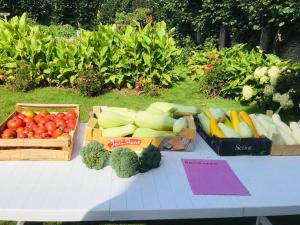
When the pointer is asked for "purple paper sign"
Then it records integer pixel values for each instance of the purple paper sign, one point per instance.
(212, 177)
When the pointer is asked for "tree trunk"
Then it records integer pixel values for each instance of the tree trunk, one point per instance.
(198, 37)
(266, 40)
(224, 37)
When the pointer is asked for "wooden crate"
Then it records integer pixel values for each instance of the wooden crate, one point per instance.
(282, 150)
(38, 149)
(185, 141)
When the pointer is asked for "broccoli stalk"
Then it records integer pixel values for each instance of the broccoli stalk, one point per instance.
(94, 155)
(149, 158)
(125, 162)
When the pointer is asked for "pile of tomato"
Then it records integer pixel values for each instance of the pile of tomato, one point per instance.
(29, 124)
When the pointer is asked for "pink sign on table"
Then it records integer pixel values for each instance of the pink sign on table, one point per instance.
(212, 177)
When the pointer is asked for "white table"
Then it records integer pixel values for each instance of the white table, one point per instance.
(68, 191)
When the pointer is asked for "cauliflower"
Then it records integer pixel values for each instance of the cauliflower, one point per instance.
(125, 162)
(264, 79)
(269, 90)
(247, 92)
(260, 72)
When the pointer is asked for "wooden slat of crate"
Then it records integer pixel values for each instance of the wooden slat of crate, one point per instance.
(282, 150)
(34, 154)
(38, 149)
(285, 150)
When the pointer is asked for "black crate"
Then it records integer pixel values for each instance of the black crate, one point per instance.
(236, 146)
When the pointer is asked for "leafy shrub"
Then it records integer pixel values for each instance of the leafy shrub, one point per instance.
(125, 162)
(89, 83)
(94, 155)
(123, 57)
(22, 78)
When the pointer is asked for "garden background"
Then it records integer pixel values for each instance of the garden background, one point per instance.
(239, 54)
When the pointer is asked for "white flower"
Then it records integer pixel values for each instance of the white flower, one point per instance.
(264, 79)
(284, 100)
(269, 90)
(247, 92)
(260, 72)
(274, 73)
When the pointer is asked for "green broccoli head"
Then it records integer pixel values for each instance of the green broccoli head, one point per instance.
(94, 155)
(149, 159)
(124, 161)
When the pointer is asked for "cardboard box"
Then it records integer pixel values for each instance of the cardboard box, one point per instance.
(236, 146)
(36, 148)
(282, 150)
(185, 141)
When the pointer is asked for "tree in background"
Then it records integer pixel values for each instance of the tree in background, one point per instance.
(179, 14)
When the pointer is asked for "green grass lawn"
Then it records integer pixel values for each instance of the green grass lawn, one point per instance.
(185, 93)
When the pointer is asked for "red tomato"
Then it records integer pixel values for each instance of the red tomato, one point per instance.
(21, 116)
(14, 124)
(45, 135)
(43, 120)
(50, 126)
(30, 134)
(31, 126)
(20, 129)
(67, 130)
(61, 124)
(40, 130)
(22, 135)
(60, 114)
(26, 131)
(37, 118)
(56, 133)
(51, 117)
(8, 133)
(17, 118)
(36, 135)
(71, 124)
(27, 120)
(71, 114)
(43, 112)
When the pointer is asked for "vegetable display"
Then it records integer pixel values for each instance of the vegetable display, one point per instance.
(125, 162)
(94, 156)
(275, 129)
(159, 119)
(215, 122)
(43, 124)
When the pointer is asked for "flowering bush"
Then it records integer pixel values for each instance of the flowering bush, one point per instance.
(247, 76)
(284, 94)
(231, 69)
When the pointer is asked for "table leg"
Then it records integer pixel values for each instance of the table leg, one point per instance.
(262, 220)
